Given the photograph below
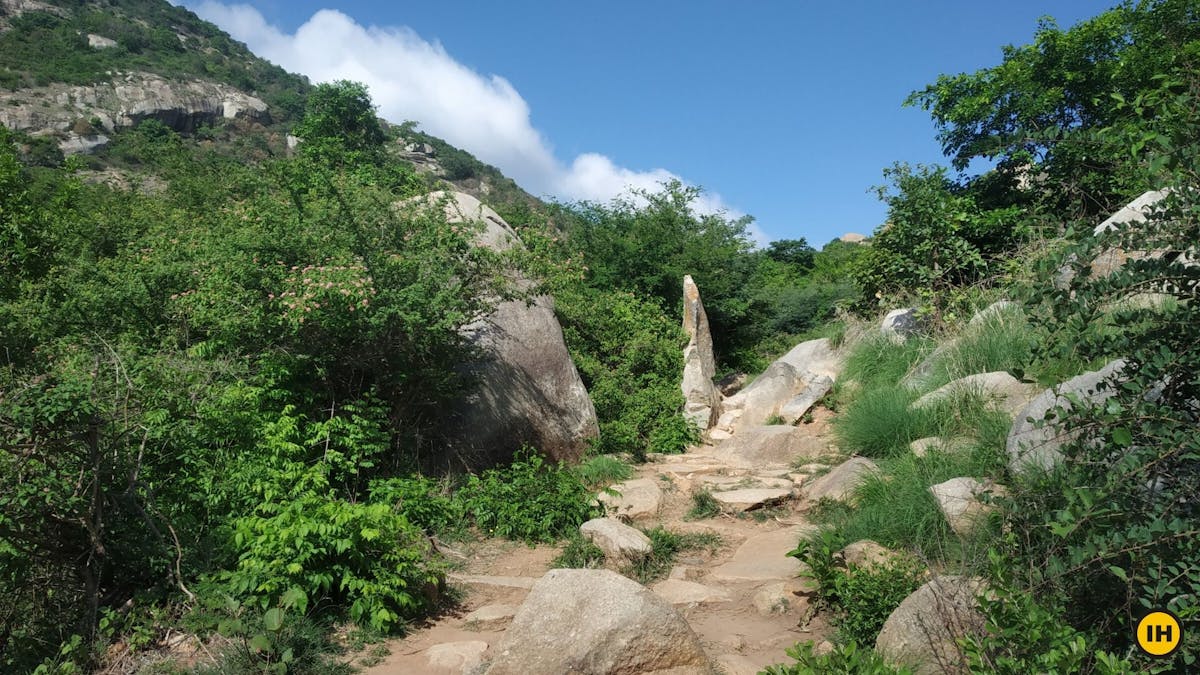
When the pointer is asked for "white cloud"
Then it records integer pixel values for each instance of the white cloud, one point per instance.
(411, 78)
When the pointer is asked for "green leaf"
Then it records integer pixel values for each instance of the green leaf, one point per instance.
(261, 643)
(1122, 437)
(273, 619)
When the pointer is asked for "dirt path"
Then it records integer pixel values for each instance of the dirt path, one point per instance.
(741, 600)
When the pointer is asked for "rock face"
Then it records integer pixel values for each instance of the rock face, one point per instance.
(1003, 391)
(124, 101)
(620, 542)
(801, 403)
(527, 391)
(702, 400)
(595, 622)
(1028, 444)
(961, 501)
(801, 373)
(921, 632)
(852, 238)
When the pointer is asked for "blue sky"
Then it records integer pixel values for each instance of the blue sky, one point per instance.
(786, 111)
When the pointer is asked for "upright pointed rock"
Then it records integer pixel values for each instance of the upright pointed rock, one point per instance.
(703, 401)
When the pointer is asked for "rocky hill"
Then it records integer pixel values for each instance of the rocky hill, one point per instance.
(73, 74)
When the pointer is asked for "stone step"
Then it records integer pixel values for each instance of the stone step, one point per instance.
(494, 581)
(749, 499)
(764, 557)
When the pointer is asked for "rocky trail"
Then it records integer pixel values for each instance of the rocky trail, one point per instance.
(742, 599)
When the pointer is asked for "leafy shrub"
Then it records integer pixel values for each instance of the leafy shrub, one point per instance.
(528, 500)
(846, 659)
(1023, 635)
(627, 351)
(303, 540)
(603, 470)
(424, 502)
(862, 598)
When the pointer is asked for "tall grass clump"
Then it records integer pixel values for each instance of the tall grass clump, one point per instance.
(896, 509)
(875, 360)
(879, 423)
(1003, 341)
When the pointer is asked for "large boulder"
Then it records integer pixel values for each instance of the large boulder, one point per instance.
(526, 389)
(702, 401)
(921, 633)
(595, 622)
(1033, 442)
(806, 369)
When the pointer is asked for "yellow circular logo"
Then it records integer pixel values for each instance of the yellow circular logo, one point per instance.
(1159, 633)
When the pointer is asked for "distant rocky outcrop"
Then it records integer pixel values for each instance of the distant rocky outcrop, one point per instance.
(853, 238)
(526, 390)
(79, 115)
(702, 401)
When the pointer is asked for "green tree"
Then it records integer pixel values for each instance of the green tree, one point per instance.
(922, 249)
(339, 117)
(1017, 112)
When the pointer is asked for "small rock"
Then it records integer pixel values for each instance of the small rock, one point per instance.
(618, 540)
(638, 498)
(993, 312)
(684, 592)
(899, 324)
(777, 599)
(1032, 445)
(491, 617)
(456, 656)
(841, 481)
(922, 446)
(801, 403)
(866, 554)
(593, 622)
(1002, 390)
(740, 501)
(960, 501)
(824, 649)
